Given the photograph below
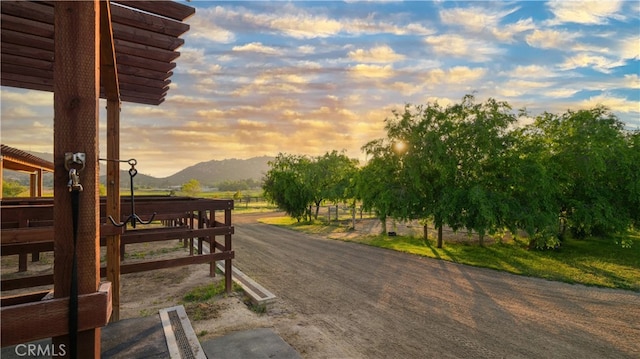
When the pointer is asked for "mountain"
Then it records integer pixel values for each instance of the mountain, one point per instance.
(207, 173)
(211, 172)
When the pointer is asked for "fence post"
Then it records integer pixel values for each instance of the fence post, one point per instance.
(227, 247)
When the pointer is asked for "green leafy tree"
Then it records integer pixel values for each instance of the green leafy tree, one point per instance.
(286, 184)
(12, 188)
(421, 138)
(591, 158)
(531, 188)
(332, 178)
(191, 188)
(479, 193)
(378, 182)
(631, 177)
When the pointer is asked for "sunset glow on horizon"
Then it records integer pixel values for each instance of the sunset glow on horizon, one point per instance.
(260, 78)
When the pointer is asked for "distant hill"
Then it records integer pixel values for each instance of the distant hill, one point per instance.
(211, 172)
(207, 173)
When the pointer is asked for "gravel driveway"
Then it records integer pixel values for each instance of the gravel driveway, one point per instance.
(339, 299)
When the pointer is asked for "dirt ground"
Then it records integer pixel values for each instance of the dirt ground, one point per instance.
(144, 293)
(310, 316)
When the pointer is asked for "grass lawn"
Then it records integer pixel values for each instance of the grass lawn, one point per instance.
(592, 261)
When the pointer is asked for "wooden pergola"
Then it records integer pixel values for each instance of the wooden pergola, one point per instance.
(83, 51)
(20, 161)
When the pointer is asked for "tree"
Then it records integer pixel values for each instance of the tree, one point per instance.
(462, 166)
(631, 177)
(286, 184)
(191, 188)
(478, 194)
(591, 159)
(532, 189)
(378, 184)
(12, 188)
(331, 178)
(422, 139)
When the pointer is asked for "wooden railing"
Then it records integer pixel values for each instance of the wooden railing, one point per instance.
(27, 228)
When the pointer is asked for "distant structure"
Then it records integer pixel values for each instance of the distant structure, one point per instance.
(20, 161)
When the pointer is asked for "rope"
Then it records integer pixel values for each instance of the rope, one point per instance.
(73, 295)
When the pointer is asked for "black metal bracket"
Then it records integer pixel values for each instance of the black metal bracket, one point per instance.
(133, 217)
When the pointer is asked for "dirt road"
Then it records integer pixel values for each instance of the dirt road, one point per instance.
(345, 300)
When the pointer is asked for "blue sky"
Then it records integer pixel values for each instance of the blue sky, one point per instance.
(259, 78)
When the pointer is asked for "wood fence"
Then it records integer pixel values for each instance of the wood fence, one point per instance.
(27, 228)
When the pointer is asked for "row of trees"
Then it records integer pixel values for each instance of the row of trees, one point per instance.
(468, 166)
(296, 183)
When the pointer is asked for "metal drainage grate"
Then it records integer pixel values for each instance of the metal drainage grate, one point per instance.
(181, 337)
(182, 341)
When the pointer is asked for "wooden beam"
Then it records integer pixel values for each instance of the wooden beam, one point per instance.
(10, 22)
(27, 282)
(108, 71)
(147, 21)
(1, 172)
(15, 37)
(33, 183)
(22, 323)
(26, 51)
(75, 128)
(176, 262)
(39, 64)
(113, 201)
(145, 63)
(146, 37)
(144, 51)
(111, 83)
(34, 10)
(170, 9)
(40, 173)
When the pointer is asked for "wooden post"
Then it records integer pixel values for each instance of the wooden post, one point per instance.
(40, 187)
(113, 203)
(228, 284)
(75, 128)
(212, 243)
(33, 184)
(1, 170)
(109, 79)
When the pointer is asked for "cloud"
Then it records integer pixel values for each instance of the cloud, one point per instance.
(26, 97)
(306, 49)
(473, 50)
(204, 26)
(18, 112)
(529, 71)
(371, 71)
(598, 63)
(516, 88)
(585, 12)
(296, 22)
(631, 81)
(560, 93)
(618, 104)
(454, 75)
(250, 125)
(378, 54)
(630, 47)
(256, 47)
(477, 20)
(551, 39)
(474, 19)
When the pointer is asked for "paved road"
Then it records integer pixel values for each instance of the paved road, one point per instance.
(376, 303)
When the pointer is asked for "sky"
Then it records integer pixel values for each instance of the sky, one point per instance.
(262, 78)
